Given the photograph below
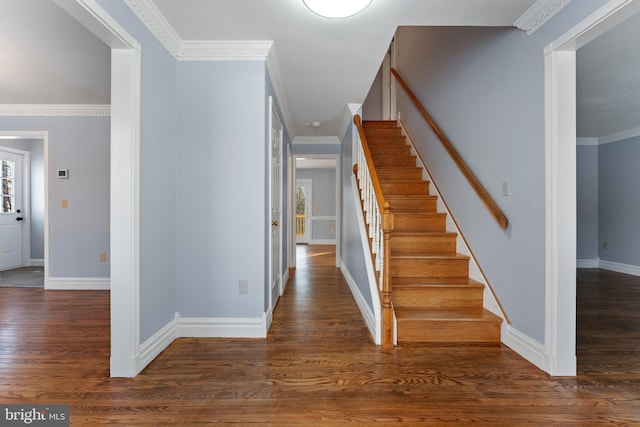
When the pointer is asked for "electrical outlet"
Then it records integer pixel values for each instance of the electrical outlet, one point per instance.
(103, 257)
(64, 203)
(243, 286)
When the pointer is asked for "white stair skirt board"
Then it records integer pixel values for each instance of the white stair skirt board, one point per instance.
(78, 283)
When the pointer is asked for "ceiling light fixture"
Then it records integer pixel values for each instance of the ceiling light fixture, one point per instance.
(336, 8)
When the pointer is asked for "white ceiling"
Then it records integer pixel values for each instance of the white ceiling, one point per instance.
(323, 64)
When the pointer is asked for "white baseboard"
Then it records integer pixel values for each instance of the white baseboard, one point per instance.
(522, 344)
(206, 327)
(588, 263)
(36, 263)
(634, 270)
(151, 348)
(365, 310)
(78, 283)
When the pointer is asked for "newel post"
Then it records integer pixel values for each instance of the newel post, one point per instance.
(387, 306)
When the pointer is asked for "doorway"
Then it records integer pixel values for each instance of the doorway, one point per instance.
(303, 211)
(560, 183)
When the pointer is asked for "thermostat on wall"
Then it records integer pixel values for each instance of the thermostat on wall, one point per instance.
(63, 173)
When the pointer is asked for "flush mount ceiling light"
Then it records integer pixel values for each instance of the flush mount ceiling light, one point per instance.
(336, 8)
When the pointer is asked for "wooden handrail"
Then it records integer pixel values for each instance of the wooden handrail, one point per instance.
(367, 154)
(484, 195)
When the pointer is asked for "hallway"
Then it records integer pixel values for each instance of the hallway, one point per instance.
(318, 366)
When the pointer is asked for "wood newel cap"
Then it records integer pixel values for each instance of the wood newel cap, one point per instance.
(355, 169)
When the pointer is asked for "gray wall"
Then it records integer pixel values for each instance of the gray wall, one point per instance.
(324, 200)
(158, 210)
(485, 87)
(221, 172)
(36, 148)
(587, 201)
(372, 106)
(79, 233)
(352, 250)
(619, 201)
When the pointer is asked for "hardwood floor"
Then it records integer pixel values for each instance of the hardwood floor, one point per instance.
(318, 365)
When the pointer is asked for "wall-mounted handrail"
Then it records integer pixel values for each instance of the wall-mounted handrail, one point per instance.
(379, 219)
(475, 183)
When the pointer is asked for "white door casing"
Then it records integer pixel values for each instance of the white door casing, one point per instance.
(12, 211)
(275, 199)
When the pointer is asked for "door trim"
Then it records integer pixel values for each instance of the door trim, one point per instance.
(26, 234)
(560, 183)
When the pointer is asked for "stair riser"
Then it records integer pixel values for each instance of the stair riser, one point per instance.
(418, 245)
(384, 132)
(399, 173)
(396, 150)
(448, 331)
(426, 297)
(406, 188)
(429, 267)
(374, 124)
(413, 206)
(395, 161)
(386, 141)
(420, 223)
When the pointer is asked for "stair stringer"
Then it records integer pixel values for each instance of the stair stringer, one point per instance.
(490, 300)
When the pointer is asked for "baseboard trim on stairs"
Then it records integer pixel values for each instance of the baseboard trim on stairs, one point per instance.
(365, 310)
(524, 345)
(78, 283)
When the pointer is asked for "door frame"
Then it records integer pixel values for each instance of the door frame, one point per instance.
(310, 212)
(273, 117)
(560, 183)
(25, 256)
(126, 69)
(292, 192)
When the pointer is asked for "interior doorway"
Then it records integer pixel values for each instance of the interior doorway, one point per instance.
(560, 183)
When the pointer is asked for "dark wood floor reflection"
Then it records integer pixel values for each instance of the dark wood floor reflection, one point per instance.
(318, 365)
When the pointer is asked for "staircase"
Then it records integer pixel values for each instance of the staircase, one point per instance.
(433, 298)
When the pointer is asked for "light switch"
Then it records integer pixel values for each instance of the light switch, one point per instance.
(64, 203)
(505, 188)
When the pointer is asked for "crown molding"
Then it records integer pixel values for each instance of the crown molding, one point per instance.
(619, 136)
(71, 110)
(538, 14)
(212, 50)
(586, 141)
(155, 21)
(323, 140)
(273, 70)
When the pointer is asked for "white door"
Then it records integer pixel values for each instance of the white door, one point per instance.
(303, 210)
(276, 206)
(11, 214)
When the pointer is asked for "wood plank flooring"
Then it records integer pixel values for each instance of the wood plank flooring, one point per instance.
(318, 365)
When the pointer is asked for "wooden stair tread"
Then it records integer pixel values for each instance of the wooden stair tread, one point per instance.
(462, 314)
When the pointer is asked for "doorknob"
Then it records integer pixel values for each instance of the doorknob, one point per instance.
(19, 218)
(274, 223)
